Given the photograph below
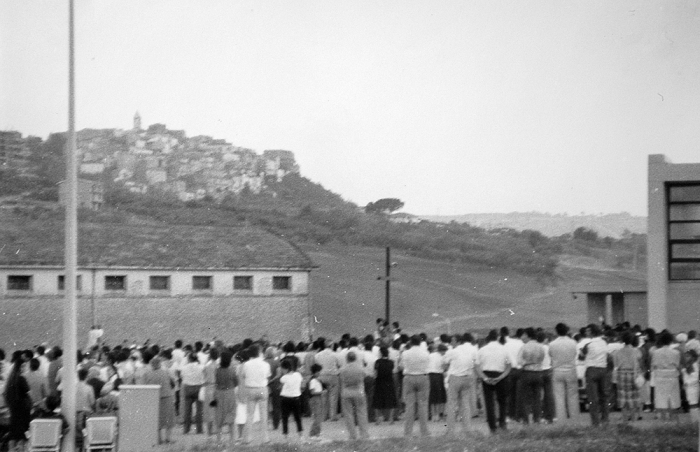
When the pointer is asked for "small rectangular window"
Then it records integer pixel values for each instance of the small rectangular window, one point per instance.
(281, 282)
(685, 193)
(19, 282)
(115, 282)
(242, 283)
(78, 282)
(159, 282)
(201, 283)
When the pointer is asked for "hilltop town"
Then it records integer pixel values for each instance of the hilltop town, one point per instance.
(156, 158)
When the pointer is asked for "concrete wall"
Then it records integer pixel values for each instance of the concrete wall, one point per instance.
(636, 308)
(32, 320)
(672, 304)
(684, 305)
(45, 282)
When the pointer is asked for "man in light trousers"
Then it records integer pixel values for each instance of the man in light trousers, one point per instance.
(416, 386)
(461, 381)
(255, 375)
(563, 353)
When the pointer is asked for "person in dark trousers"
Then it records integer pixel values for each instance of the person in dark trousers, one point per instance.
(493, 366)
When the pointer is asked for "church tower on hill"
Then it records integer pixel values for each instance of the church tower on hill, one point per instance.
(137, 121)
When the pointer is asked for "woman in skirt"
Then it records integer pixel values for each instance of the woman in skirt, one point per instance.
(627, 365)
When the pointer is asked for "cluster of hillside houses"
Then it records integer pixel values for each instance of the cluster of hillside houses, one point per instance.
(143, 159)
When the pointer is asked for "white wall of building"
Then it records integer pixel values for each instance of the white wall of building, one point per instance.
(44, 282)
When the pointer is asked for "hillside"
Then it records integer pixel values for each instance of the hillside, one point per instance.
(610, 225)
(346, 292)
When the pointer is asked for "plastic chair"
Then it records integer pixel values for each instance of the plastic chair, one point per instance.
(45, 435)
(100, 433)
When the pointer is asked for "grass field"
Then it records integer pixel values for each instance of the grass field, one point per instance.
(346, 297)
(613, 438)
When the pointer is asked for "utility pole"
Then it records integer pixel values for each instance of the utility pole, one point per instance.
(387, 297)
(387, 282)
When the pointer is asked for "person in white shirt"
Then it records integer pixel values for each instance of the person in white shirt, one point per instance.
(461, 382)
(416, 386)
(436, 374)
(290, 397)
(254, 377)
(598, 377)
(493, 366)
(192, 376)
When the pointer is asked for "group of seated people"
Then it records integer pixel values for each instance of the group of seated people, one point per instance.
(531, 376)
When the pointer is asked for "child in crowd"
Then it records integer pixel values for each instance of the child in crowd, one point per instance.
(316, 401)
(691, 383)
(290, 397)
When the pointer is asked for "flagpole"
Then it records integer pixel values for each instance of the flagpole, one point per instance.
(70, 315)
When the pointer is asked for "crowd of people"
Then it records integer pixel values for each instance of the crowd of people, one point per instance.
(250, 388)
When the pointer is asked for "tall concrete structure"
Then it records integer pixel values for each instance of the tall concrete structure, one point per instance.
(673, 245)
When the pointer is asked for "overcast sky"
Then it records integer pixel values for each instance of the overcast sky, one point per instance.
(452, 106)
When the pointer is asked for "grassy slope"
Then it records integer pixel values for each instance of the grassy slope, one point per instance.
(348, 297)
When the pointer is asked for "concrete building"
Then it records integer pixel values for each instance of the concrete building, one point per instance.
(163, 282)
(673, 244)
(671, 296)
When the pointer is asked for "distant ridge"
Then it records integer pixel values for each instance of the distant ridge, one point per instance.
(612, 225)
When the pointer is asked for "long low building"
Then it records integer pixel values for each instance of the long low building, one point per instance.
(156, 282)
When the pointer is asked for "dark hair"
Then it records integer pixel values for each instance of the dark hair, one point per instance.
(492, 336)
(627, 337)
(225, 360)
(315, 368)
(286, 365)
(594, 329)
(34, 364)
(384, 352)
(415, 340)
(82, 374)
(253, 351)
(213, 354)
(665, 338)
(350, 357)
(52, 402)
(146, 356)
(562, 329)
(467, 338)
(541, 336)
(289, 347)
(353, 342)
(178, 343)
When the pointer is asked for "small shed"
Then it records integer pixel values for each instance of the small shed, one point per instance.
(614, 303)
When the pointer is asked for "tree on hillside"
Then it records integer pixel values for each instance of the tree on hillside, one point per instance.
(586, 234)
(384, 205)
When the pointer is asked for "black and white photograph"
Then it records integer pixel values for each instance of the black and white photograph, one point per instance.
(339, 225)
